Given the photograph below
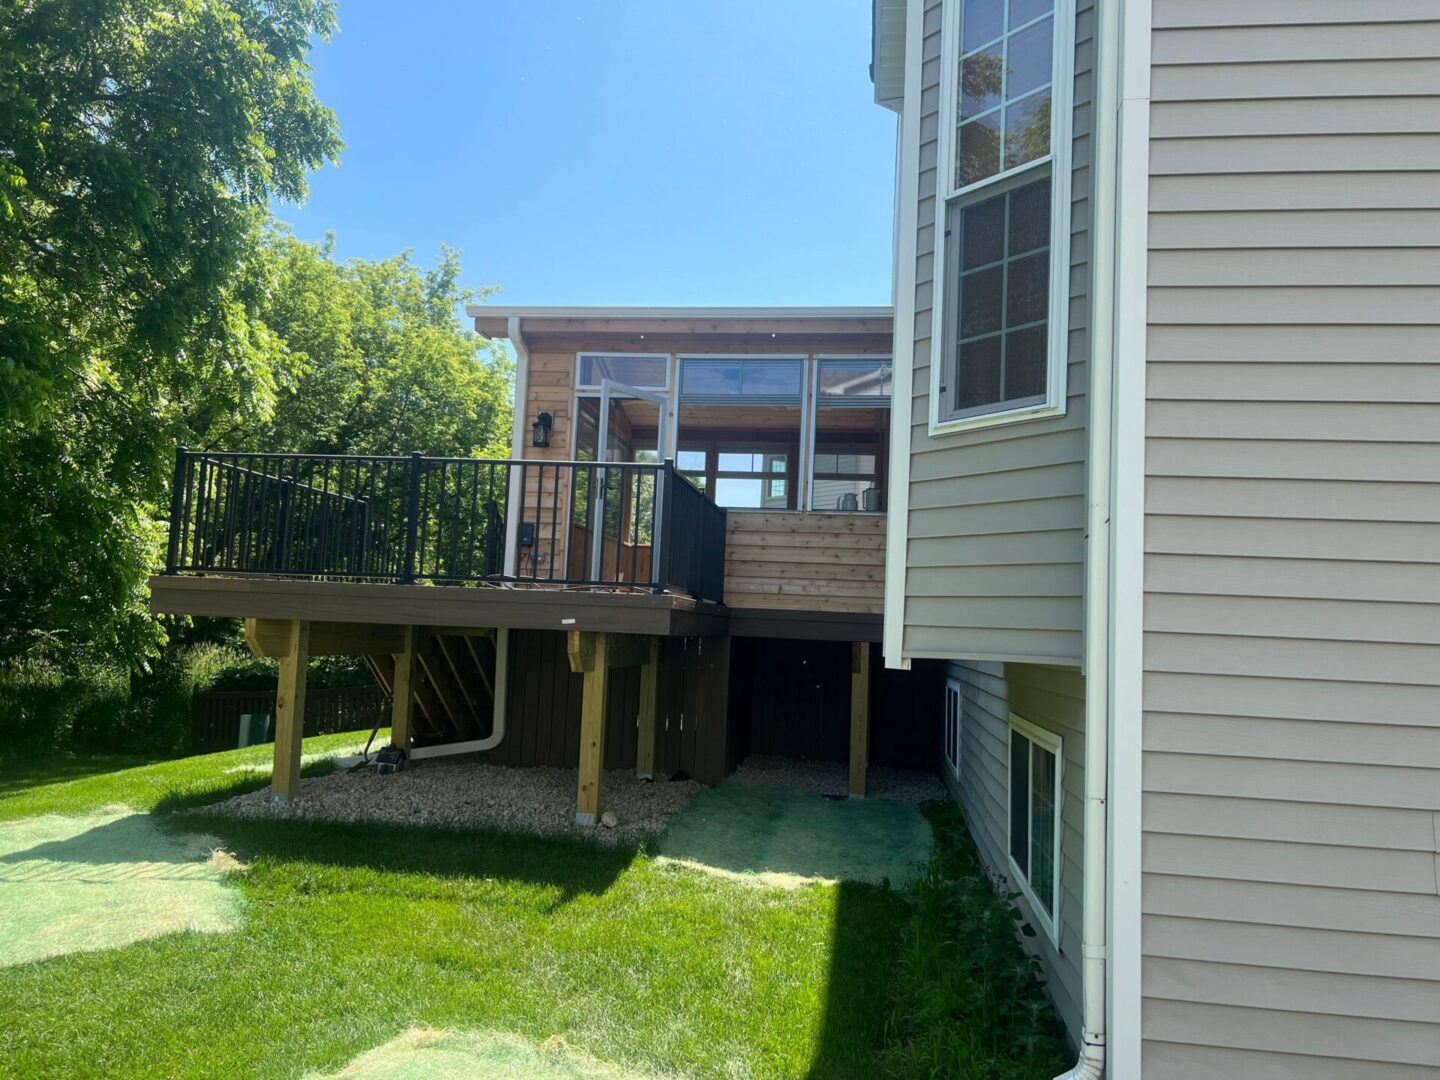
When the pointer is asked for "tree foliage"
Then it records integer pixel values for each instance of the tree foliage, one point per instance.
(375, 359)
(146, 300)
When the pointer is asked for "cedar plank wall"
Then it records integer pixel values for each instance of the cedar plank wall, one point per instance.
(843, 566)
(1292, 609)
(813, 562)
(996, 551)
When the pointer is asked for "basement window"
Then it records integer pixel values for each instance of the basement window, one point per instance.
(1034, 820)
(953, 715)
(1003, 260)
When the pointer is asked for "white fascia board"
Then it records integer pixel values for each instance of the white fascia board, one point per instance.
(481, 311)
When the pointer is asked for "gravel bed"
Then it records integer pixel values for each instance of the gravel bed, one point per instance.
(460, 793)
(833, 778)
(456, 792)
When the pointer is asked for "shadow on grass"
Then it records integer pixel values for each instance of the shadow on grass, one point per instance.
(15, 778)
(864, 953)
(573, 866)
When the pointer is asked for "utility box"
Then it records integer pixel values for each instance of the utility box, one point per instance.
(254, 728)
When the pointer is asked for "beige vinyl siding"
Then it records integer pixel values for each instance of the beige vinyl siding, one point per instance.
(1292, 612)
(996, 519)
(1051, 698)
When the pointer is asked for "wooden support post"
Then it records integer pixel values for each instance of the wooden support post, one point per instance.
(402, 710)
(290, 714)
(589, 654)
(859, 716)
(645, 743)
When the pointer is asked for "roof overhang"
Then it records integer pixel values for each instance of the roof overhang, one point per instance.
(495, 321)
(887, 52)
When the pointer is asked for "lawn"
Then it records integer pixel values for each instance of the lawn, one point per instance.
(354, 934)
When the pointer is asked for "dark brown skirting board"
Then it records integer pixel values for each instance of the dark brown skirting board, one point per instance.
(805, 625)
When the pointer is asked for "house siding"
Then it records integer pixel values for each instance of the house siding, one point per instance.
(1051, 698)
(995, 553)
(1291, 922)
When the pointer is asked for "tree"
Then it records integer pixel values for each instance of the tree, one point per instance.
(375, 360)
(140, 145)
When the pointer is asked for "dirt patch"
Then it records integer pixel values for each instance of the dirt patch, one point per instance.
(75, 884)
(425, 1054)
(458, 793)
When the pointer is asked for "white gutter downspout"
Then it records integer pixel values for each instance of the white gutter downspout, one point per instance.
(1094, 948)
(512, 527)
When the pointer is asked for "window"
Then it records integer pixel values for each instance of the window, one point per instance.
(741, 476)
(1034, 829)
(1004, 259)
(726, 379)
(643, 371)
(851, 433)
(953, 714)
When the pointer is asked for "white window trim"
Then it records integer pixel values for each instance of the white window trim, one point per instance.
(1049, 922)
(1057, 349)
(954, 687)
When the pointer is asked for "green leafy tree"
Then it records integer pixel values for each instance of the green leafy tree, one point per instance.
(141, 143)
(375, 359)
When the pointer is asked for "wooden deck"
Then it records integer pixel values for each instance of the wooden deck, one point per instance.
(461, 607)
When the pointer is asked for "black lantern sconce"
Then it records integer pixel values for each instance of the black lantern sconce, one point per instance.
(540, 430)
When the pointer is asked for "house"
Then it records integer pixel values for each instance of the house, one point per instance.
(1165, 500)
(681, 563)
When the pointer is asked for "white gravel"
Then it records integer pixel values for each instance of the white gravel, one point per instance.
(461, 792)
(833, 778)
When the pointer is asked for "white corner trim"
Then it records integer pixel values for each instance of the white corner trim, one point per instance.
(907, 217)
(516, 334)
(1062, 92)
(1127, 539)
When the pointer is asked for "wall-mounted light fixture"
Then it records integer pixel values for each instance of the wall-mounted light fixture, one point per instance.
(540, 430)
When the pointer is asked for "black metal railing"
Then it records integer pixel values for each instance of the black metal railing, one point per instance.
(445, 520)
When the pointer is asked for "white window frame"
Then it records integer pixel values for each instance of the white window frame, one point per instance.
(1038, 736)
(954, 726)
(812, 409)
(1058, 164)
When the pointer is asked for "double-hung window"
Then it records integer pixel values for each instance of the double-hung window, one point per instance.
(1034, 825)
(1003, 214)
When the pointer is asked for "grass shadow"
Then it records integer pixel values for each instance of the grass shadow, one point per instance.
(574, 866)
(15, 778)
(204, 791)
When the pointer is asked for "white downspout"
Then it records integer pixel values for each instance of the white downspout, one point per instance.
(512, 528)
(502, 697)
(1094, 947)
(517, 438)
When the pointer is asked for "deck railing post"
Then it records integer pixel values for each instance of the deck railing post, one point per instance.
(664, 493)
(177, 507)
(282, 531)
(412, 523)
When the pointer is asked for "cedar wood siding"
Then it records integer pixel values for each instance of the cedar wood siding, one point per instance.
(1292, 612)
(995, 559)
(1052, 698)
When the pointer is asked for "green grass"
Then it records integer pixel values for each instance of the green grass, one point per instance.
(356, 933)
(75, 785)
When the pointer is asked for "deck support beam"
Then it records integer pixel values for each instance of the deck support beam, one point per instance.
(402, 698)
(290, 713)
(590, 655)
(859, 716)
(649, 685)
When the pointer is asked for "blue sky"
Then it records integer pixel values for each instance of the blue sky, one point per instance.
(613, 151)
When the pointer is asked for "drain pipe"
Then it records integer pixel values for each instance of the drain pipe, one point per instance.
(512, 527)
(497, 728)
(1094, 946)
